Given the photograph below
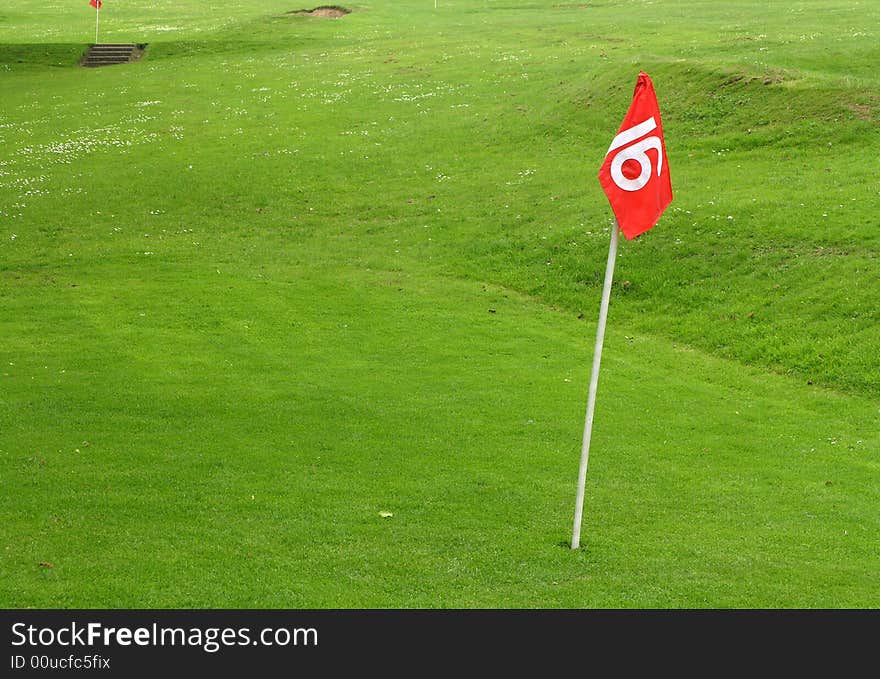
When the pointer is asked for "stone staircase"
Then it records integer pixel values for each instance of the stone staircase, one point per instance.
(107, 54)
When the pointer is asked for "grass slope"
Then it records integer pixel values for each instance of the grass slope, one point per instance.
(285, 274)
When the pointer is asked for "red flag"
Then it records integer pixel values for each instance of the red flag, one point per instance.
(96, 3)
(635, 174)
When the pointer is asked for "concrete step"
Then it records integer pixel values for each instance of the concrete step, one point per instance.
(107, 54)
(104, 62)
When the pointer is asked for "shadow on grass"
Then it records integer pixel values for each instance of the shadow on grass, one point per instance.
(42, 54)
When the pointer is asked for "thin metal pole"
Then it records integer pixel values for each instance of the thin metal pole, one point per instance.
(97, 16)
(594, 384)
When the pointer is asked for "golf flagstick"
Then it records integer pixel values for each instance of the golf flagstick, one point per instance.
(97, 17)
(638, 197)
(594, 384)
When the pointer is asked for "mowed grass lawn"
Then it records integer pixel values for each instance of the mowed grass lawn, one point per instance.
(299, 313)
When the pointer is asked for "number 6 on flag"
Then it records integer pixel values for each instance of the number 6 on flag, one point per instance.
(636, 152)
(635, 174)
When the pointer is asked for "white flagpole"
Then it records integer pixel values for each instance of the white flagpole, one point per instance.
(97, 16)
(594, 384)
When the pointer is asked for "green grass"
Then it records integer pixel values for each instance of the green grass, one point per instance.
(284, 274)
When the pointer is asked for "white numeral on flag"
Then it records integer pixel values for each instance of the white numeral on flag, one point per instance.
(637, 153)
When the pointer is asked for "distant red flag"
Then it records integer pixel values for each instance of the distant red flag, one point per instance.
(96, 3)
(635, 174)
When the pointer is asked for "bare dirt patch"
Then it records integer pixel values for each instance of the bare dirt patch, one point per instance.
(324, 12)
(862, 111)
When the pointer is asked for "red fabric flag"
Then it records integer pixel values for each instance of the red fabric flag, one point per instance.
(635, 174)
(96, 3)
